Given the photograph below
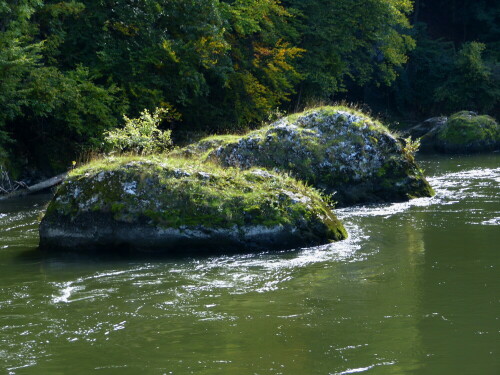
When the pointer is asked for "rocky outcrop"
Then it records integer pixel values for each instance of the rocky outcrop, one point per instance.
(335, 149)
(428, 126)
(462, 132)
(170, 206)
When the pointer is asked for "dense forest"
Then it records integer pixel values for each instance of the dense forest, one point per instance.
(70, 70)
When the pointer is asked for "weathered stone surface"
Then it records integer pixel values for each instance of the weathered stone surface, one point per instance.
(335, 149)
(172, 207)
(431, 124)
(462, 132)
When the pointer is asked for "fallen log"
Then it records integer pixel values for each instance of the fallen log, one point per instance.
(36, 188)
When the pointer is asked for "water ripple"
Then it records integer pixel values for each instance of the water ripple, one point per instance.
(62, 303)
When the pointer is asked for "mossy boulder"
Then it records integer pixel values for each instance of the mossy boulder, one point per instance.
(336, 149)
(469, 132)
(171, 206)
(463, 132)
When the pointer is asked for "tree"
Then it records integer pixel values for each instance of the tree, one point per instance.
(263, 73)
(413, 93)
(221, 64)
(18, 55)
(351, 41)
(438, 80)
(470, 84)
(45, 108)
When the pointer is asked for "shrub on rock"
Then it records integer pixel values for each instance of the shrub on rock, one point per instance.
(173, 206)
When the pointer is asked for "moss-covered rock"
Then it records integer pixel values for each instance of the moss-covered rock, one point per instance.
(468, 132)
(463, 132)
(336, 149)
(173, 206)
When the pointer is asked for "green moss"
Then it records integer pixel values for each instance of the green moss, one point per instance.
(117, 207)
(176, 192)
(333, 148)
(201, 150)
(222, 139)
(467, 130)
(333, 110)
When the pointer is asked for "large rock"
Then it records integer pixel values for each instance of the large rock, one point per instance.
(335, 149)
(170, 206)
(462, 132)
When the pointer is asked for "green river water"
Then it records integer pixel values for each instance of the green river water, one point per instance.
(414, 290)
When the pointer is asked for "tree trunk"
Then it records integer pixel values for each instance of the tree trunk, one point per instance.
(36, 188)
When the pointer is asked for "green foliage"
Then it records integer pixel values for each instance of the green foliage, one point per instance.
(51, 112)
(221, 64)
(410, 148)
(18, 56)
(439, 80)
(70, 69)
(351, 41)
(470, 84)
(72, 101)
(264, 71)
(429, 63)
(140, 135)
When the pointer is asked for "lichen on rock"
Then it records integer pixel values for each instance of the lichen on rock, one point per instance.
(336, 149)
(174, 205)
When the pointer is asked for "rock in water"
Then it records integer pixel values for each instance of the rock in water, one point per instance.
(463, 132)
(336, 149)
(171, 206)
(429, 126)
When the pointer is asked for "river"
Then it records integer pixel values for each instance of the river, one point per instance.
(414, 290)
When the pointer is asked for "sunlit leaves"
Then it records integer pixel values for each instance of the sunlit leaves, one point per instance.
(140, 135)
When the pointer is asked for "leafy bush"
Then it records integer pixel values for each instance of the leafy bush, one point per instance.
(140, 135)
(410, 148)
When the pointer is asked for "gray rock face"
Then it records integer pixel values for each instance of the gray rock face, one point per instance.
(430, 125)
(335, 149)
(171, 207)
